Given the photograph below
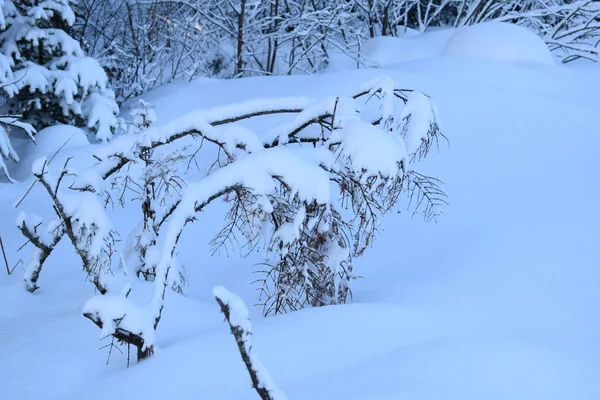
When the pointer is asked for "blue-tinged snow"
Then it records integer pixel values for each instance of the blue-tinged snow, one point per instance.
(497, 300)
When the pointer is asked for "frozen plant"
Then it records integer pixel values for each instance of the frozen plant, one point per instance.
(312, 191)
(283, 185)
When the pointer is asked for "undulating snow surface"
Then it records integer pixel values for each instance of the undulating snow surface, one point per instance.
(497, 300)
(500, 42)
(383, 51)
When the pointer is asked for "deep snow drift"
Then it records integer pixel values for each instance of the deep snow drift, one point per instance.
(498, 300)
(500, 42)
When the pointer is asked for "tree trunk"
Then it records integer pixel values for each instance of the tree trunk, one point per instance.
(240, 38)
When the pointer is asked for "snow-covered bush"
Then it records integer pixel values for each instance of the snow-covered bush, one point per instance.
(144, 44)
(571, 28)
(158, 186)
(312, 191)
(47, 78)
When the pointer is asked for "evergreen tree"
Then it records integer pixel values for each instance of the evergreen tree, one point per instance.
(52, 81)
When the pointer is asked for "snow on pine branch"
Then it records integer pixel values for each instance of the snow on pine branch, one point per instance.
(258, 175)
(7, 151)
(45, 74)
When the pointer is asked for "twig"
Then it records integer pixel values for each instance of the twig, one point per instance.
(36, 180)
(8, 270)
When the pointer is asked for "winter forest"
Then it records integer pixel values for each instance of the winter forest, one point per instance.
(299, 199)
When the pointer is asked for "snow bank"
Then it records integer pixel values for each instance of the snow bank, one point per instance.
(386, 50)
(48, 142)
(499, 42)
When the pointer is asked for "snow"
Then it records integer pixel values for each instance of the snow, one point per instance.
(384, 51)
(290, 231)
(78, 84)
(237, 308)
(238, 317)
(496, 301)
(420, 113)
(89, 219)
(6, 152)
(116, 311)
(143, 116)
(499, 42)
(56, 143)
(372, 152)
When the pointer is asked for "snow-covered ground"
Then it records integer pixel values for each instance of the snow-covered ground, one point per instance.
(497, 300)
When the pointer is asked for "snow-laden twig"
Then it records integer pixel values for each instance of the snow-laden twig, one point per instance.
(116, 315)
(236, 314)
(83, 219)
(44, 247)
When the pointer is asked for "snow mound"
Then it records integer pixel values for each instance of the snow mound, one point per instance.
(386, 50)
(52, 142)
(499, 42)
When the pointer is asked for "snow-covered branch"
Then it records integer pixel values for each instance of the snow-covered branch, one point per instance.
(236, 314)
(83, 219)
(29, 227)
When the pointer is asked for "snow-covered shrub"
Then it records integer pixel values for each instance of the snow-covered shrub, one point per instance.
(144, 44)
(236, 314)
(571, 29)
(51, 80)
(312, 191)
